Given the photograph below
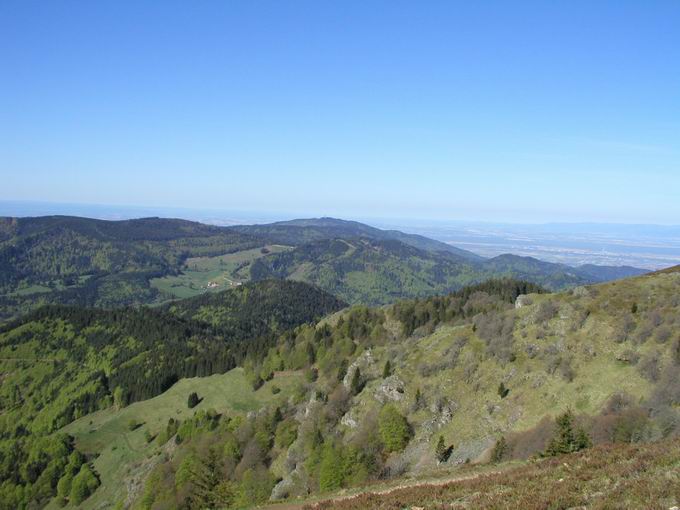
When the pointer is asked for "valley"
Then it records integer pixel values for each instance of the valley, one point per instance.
(149, 261)
(214, 274)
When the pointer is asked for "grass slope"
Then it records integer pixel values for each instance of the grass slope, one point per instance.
(122, 454)
(606, 477)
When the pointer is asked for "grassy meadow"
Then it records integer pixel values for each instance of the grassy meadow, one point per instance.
(223, 271)
(124, 456)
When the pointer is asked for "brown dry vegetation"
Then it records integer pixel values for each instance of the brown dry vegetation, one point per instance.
(608, 476)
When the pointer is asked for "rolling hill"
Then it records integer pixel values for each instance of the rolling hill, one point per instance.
(87, 262)
(303, 231)
(374, 272)
(106, 264)
(420, 388)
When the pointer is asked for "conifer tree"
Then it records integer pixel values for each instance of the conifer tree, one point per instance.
(566, 440)
(356, 384)
(442, 452)
(387, 369)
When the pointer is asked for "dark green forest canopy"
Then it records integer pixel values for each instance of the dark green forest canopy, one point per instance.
(60, 363)
(88, 262)
(108, 264)
(150, 349)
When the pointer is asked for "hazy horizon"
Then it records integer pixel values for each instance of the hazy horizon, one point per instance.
(646, 246)
(105, 211)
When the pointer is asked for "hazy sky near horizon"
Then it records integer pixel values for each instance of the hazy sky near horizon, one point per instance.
(504, 111)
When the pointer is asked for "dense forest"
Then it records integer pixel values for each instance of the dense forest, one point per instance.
(373, 272)
(107, 264)
(59, 363)
(86, 262)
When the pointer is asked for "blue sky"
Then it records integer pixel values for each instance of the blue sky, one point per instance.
(503, 111)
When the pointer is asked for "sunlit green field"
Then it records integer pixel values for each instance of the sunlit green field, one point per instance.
(212, 273)
(123, 453)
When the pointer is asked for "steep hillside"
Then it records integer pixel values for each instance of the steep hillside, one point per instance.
(477, 376)
(60, 363)
(609, 476)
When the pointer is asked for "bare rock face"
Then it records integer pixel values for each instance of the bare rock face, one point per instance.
(365, 362)
(348, 421)
(580, 291)
(442, 413)
(305, 411)
(471, 450)
(291, 485)
(390, 390)
(522, 300)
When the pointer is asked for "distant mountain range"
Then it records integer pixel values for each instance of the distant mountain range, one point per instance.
(88, 262)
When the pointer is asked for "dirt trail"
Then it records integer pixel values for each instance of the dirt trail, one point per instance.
(433, 482)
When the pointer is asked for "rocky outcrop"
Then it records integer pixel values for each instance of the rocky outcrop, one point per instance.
(390, 389)
(365, 363)
(522, 300)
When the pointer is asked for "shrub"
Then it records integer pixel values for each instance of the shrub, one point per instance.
(650, 367)
(394, 430)
(546, 311)
(643, 333)
(286, 433)
(418, 401)
(338, 403)
(331, 468)
(193, 400)
(663, 334)
(256, 486)
(675, 351)
(311, 374)
(342, 370)
(497, 331)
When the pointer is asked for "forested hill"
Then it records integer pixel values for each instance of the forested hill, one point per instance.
(108, 264)
(259, 309)
(363, 270)
(59, 363)
(88, 262)
(302, 231)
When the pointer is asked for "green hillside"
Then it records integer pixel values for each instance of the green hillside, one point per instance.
(61, 363)
(87, 262)
(361, 396)
(374, 272)
(303, 231)
(108, 264)
(470, 371)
